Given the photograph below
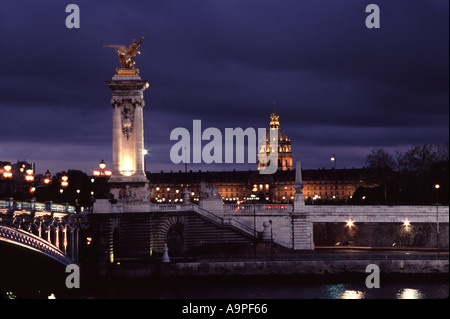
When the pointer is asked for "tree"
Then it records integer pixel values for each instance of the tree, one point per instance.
(380, 160)
(417, 160)
(77, 193)
(420, 168)
(380, 169)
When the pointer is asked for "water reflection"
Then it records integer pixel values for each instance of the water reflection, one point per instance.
(341, 291)
(409, 293)
(259, 288)
(353, 294)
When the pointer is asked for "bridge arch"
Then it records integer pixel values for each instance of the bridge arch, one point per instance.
(32, 242)
(175, 231)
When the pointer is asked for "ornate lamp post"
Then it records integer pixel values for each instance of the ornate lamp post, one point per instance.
(100, 178)
(30, 178)
(47, 177)
(102, 171)
(64, 180)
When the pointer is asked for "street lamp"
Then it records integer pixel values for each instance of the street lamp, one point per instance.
(437, 186)
(7, 171)
(350, 223)
(102, 171)
(102, 165)
(64, 180)
(47, 177)
(101, 186)
(29, 177)
(333, 159)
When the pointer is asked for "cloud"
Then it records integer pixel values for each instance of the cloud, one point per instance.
(337, 83)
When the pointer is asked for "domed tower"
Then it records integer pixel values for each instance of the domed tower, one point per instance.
(284, 144)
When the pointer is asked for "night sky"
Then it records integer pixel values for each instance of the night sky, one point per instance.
(340, 87)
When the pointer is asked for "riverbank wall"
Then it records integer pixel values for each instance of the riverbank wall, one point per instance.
(262, 268)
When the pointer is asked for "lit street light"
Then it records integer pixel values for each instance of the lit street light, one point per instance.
(29, 177)
(437, 186)
(47, 179)
(333, 159)
(100, 179)
(102, 171)
(350, 223)
(7, 171)
(64, 180)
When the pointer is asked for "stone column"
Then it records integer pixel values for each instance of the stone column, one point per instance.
(139, 137)
(117, 141)
(128, 182)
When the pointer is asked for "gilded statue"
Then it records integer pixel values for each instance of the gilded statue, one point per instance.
(127, 55)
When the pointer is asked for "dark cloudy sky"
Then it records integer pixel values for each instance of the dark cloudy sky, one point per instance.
(340, 87)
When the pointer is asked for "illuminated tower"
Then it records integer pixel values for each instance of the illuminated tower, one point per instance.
(284, 144)
(128, 180)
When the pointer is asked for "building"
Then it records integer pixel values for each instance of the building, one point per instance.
(284, 144)
(320, 185)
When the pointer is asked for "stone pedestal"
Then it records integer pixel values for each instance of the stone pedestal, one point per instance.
(214, 205)
(128, 181)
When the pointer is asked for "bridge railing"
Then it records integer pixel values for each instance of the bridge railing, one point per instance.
(207, 214)
(31, 205)
(258, 207)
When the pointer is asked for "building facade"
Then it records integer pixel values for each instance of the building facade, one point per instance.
(320, 185)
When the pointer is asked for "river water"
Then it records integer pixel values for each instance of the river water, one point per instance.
(250, 288)
(295, 287)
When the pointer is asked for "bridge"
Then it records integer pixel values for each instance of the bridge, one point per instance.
(137, 230)
(46, 228)
(142, 229)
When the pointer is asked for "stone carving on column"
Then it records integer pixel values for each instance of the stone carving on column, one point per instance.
(127, 193)
(127, 120)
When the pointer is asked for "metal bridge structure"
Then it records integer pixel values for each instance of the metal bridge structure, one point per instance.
(47, 228)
